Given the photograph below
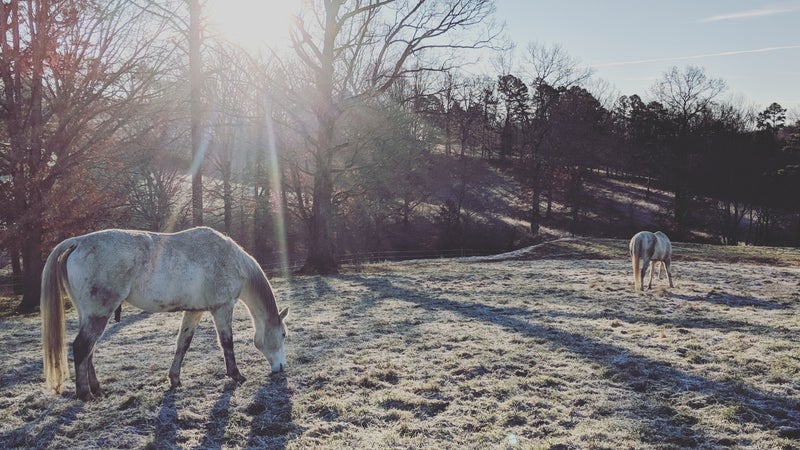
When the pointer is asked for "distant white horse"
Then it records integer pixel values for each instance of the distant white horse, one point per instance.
(650, 248)
(192, 271)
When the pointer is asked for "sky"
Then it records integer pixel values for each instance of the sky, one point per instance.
(753, 45)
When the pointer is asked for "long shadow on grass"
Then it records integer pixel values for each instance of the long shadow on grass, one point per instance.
(271, 408)
(732, 300)
(219, 418)
(31, 435)
(657, 317)
(166, 432)
(752, 406)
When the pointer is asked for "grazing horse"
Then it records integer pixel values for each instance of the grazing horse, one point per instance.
(650, 248)
(192, 271)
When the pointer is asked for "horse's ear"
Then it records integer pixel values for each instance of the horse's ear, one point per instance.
(284, 312)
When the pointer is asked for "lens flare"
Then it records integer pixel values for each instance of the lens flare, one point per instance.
(275, 188)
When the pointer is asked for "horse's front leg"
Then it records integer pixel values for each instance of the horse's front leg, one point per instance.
(653, 265)
(94, 384)
(223, 317)
(189, 324)
(90, 330)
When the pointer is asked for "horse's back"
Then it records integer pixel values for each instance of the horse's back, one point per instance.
(655, 246)
(193, 269)
(664, 243)
(641, 242)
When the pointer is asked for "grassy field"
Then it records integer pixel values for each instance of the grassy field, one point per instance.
(546, 348)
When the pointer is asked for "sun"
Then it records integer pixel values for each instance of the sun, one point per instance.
(252, 24)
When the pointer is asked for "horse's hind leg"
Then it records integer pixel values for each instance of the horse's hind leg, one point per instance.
(643, 272)
(90, 329)
(669, 271)
(189, 324)
(222, 321)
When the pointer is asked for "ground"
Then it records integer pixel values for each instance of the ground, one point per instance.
(549, 348)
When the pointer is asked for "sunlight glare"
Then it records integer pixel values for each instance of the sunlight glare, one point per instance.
(253, 24)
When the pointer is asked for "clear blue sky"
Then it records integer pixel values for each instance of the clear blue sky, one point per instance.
(753, 45)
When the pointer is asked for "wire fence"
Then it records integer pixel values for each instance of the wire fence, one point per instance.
(354, 259)
(275, 266)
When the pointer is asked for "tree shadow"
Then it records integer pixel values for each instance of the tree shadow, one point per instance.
(32, 434)
(658, 318)
(272, 425)
(732, 300)
(639, 373)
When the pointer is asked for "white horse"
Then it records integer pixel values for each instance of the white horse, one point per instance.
(192, 271)
(650, 248)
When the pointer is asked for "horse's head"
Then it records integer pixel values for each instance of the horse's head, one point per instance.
(272, 342)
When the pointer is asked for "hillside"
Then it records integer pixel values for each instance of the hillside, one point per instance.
(494, 203)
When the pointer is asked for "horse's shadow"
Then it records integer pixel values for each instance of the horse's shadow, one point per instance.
(166, 432)
(219, 418)
(271, 408)
(167, 422)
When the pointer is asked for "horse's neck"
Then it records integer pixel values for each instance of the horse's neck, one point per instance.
(260, 300)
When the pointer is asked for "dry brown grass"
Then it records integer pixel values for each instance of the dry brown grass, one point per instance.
(548, 351)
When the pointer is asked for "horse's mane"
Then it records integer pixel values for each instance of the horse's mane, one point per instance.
(257, 283)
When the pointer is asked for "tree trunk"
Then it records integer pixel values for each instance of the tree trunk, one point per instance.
(227, 199)
(16, 270)
(681, 212)
(195, 75)
(536, 189)
(321, 256)
(28, 196)
(32, 267)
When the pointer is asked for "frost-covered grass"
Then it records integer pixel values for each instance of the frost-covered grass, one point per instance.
(552, 351)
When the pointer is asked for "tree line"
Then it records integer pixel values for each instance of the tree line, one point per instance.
(341, 142)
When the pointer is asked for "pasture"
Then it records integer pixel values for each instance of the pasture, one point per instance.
(545, 348)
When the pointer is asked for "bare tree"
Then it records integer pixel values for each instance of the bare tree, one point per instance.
(554, 66)
(72, 72)
(549, 69)
(688, 95)
(352, 52)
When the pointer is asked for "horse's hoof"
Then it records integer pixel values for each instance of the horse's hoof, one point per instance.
(237, 377)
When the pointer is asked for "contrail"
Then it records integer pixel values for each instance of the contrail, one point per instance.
(746, 14)
(704, 55)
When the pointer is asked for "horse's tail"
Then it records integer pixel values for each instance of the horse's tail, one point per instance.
(54, 334)
(635, 248)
